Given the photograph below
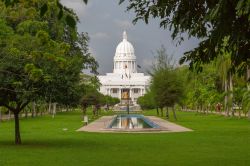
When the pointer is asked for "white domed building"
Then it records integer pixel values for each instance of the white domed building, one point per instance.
(124, 83)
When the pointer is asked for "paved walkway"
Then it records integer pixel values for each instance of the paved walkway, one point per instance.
(100, 125)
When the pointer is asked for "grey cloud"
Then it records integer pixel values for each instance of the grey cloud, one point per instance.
(123, 24)
(100, 35)
(105, 22)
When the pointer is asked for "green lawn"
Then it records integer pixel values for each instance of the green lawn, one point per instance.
(216, 140)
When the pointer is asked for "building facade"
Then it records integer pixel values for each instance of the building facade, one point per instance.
(125, 82)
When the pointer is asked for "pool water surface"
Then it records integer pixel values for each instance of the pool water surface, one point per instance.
(131, 121)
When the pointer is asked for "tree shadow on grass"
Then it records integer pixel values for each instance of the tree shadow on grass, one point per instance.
(52, 143)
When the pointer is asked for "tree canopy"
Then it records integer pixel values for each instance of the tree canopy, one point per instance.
(209, 20)
(41, 56)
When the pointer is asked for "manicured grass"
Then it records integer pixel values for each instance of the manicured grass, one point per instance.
(216, 140)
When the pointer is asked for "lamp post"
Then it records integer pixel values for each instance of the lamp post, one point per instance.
(128, 103)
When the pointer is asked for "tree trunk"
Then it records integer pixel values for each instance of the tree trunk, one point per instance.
(161, 111)
(9, 117)
(94, 110)
(167, 113)
(203, 109)
(49, 108)
(175, 117)
(157, 111)
(26, 113)
(41, 110)
(17, 128)
(226, 99)
(98, 111)
(248, 85)
(33, 109)
(248, 78)
(83, 112)
(249, 114)
(54, 110)
(37, 110)
(0, 114)
(231, 93)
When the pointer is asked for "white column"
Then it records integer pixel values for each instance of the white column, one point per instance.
(130, 92)
(119, 93)
(135, 66)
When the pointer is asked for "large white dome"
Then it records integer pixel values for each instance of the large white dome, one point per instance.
(125, 49)
(124, 59)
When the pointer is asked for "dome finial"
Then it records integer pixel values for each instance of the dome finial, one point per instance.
(125, 37)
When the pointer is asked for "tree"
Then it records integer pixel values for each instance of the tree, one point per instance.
(224, 64)
(37, 63)
(246, 102)
(166, 85)
(147, 101)
(44, 6)
(168, 88)
(110, 101)
(93, 98)
(210, 21)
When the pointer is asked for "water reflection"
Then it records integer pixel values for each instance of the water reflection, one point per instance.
(129, 122)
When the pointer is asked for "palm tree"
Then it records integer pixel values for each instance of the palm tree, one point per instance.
(223, 68)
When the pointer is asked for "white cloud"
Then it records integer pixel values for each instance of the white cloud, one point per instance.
(123, 24)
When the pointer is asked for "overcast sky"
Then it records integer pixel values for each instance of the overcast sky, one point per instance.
(105, 20)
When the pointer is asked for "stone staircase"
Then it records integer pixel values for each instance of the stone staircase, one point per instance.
(132, 108)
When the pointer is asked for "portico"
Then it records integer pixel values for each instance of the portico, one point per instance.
(133, 92)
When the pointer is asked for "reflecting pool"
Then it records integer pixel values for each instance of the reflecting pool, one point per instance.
(132, 121)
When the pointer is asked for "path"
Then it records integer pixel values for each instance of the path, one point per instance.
(100, 125)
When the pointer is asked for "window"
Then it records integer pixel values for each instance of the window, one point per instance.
(136, 90)
(115, 90)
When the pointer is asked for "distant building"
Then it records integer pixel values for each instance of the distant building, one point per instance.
(124, 83)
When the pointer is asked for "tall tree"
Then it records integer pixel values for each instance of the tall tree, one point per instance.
(36, 62)
(166, 84)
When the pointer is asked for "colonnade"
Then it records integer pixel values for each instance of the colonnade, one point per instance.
(131, 65)
(132, 95)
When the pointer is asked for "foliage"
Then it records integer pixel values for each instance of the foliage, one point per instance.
(147, 101)
(110, 101)
(41, 56)
(210, 21)
(166, 88)
(246, 101)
